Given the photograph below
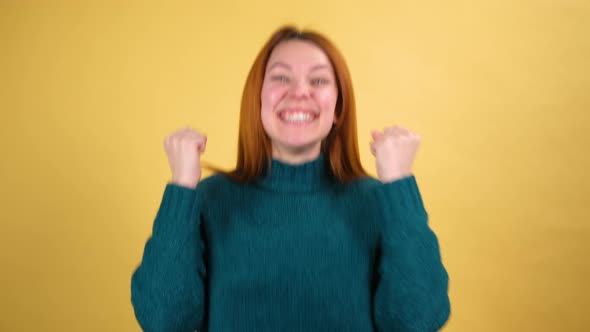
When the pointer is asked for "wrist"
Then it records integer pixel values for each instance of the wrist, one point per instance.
(188, 183)
(395, 176)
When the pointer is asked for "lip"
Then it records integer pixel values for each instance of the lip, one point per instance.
(280, 114)
(297, 109)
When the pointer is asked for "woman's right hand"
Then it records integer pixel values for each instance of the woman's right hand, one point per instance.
(184, 149)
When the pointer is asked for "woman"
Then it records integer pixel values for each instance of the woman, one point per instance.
(297, 237)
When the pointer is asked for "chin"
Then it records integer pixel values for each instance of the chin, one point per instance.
(300, 146)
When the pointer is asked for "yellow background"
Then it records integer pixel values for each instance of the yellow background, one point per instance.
(499, 91)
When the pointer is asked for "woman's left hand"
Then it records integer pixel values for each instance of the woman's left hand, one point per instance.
(394, 150)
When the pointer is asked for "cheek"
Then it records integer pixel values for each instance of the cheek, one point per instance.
(327, 99)
(270, 97)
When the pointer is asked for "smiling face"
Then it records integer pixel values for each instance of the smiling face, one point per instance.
(298, 100)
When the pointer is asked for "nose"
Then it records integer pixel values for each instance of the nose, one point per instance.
(300, 89)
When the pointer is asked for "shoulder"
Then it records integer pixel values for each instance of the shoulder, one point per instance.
(364, 184)
(218, 186)
(218, 189)
(216, 183)
(359, 189)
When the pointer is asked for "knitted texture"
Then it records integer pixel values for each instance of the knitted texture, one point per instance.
(293, 251)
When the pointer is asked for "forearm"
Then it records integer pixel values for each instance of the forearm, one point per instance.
(412, 292)
(167, 288)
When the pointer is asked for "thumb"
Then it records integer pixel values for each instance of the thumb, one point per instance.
(202, 144)
(376, 134)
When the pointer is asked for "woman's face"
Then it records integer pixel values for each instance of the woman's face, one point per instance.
(298, 100)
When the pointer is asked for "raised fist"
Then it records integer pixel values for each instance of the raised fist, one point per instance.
(184, 149)
(394, 150)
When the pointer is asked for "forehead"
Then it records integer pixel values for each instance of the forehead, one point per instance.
(298, 52)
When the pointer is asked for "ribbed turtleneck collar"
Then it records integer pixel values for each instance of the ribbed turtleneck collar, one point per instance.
(308, 176)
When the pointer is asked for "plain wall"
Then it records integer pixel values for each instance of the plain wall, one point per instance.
(498, 90)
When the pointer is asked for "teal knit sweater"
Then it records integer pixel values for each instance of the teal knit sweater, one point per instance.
(293, 251)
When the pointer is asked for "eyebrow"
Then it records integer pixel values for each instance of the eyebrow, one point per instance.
(286, 66)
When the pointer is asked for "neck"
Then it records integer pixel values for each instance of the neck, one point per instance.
(296, 156)
(308, 176)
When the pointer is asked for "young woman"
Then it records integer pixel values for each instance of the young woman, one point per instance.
(297, 237)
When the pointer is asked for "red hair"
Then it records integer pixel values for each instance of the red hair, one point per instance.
(340, 146)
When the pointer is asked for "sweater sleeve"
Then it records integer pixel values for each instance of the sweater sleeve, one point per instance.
(167, 288)
(412, 289)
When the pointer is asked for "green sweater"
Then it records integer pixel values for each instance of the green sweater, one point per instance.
(293, 251)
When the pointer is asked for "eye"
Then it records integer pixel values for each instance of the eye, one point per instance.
(280, 78)
(319, 81)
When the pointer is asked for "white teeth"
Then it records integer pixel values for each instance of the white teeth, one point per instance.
(297, 117)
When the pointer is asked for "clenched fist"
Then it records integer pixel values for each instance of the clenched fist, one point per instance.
(394, 150)
(184, 149)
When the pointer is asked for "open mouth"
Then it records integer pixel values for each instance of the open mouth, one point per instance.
(297, 116)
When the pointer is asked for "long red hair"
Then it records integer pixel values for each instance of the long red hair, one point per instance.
(340, 146)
